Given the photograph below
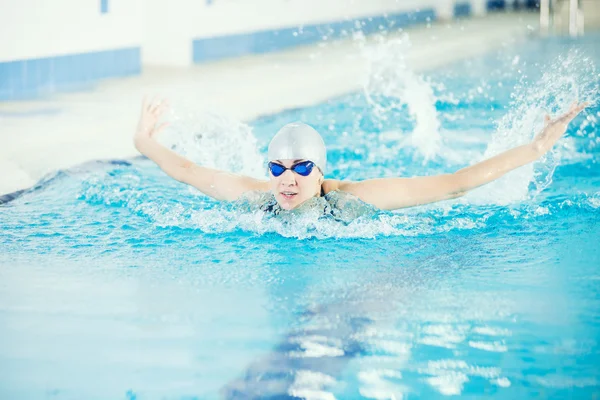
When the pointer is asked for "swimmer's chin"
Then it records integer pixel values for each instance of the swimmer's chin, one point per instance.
(288, 204)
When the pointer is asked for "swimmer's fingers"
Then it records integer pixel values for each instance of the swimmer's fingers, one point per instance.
(575, 110)
(155, 105)
(147, 105)
(164, 106)
(579, 108)
(568, 116)
(150, 104)
(555, 128)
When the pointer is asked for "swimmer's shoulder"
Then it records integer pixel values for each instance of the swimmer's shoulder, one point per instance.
(332, 185)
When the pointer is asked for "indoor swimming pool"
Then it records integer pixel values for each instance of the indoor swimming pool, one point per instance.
(117, 282)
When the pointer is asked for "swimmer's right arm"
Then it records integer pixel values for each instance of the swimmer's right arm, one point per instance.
(394, 193)
(220, 185)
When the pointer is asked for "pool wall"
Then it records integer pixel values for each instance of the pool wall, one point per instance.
(49, 46)
(68, 45)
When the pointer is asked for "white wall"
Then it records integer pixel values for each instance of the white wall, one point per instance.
(168, 31)
(165, 29)
(168, 25)
(42, 28)
(239, 16)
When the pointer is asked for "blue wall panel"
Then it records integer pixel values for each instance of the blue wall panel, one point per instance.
(462, 9)
(104, 6)
(30, 78)
(207, 49)
(496, 4)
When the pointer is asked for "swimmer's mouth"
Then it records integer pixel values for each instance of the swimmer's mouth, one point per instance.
(288, 195)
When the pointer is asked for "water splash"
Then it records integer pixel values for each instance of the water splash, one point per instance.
(571, 78)
(215, 141)
(164, 204)
(392, 85)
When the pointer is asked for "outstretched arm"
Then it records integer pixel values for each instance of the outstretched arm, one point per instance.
(393, 193)
(219, 185)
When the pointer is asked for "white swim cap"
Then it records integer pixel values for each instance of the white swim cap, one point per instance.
(298, 141)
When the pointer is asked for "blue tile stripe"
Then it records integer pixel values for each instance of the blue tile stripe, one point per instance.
(462, 9)
(207, 49)
(24, 79)
(496, 4)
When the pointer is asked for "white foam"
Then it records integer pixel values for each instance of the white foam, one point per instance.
(449, 376)
(539, 211)
(317, 346)
(496, 347)
(449, 384)
(447, 364)
(215, 141)
(502, 382)
(489, 331)
(440, 366)
(446, 336)
(595, 200)
(392, 347)
(310, 385)
(438, 342)
(392, 84)
(375, 384)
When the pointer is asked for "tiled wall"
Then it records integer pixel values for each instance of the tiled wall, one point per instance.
(496, 4)
(57, 51)
(206, 49)
(40, 76)
(62, 45)
(264, 41)
(462, 9)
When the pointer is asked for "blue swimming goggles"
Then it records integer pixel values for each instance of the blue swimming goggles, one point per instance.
(303, 168)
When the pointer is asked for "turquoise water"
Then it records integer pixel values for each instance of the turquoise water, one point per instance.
(118, 283)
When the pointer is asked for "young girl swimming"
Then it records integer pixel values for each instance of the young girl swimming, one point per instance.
(298, 160)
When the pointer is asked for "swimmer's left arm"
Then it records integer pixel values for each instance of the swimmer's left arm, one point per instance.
(394, 193)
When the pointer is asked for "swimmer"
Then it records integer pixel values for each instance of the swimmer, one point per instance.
(298, 162)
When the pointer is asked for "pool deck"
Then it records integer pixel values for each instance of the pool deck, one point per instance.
(42, 136)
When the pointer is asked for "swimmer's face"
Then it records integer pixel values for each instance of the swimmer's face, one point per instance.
(292, 189)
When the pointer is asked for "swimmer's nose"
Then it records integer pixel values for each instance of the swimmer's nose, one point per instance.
(288, 178)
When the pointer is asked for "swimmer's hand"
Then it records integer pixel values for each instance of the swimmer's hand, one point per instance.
(555, 128)
(151, 113)
(394, 193)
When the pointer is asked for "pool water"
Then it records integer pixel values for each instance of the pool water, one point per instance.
(119, 283)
